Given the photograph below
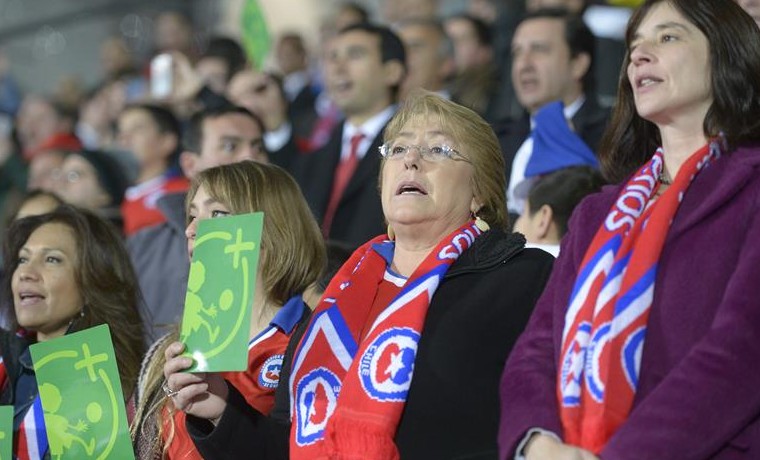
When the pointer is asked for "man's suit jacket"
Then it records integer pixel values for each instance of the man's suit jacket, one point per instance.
(287, 155)
(698, 394)
(589, 122)
(359, 216)
(303, 113)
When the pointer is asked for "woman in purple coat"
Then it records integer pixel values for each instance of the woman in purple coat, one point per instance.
(646, 342)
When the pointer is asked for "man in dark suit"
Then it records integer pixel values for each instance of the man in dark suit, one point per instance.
(263, 94)
(293, 61)
(552, 54)
(364, 68)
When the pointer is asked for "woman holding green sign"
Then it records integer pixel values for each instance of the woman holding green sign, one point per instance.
(403, 355)
(292, 258)
(66, 271)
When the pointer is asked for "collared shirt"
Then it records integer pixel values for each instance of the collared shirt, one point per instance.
(275, 140)
(370, 128)
(522, 157)
(265, 354)
(386, 251)
(552, 249)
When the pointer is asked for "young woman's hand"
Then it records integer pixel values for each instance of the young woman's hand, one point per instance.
(202, 395)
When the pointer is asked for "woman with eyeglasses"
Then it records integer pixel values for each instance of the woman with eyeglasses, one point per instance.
(403, 354)
(94, 180)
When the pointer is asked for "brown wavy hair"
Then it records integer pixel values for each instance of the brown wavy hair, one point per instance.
(292, 258)
(104, 276)
(733, 39)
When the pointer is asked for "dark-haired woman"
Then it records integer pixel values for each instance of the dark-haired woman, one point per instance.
(66, 271)
(645, 343)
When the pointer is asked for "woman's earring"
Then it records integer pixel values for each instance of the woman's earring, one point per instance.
(481, 224)
(391, 235)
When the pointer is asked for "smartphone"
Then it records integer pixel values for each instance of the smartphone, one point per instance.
(161, 76)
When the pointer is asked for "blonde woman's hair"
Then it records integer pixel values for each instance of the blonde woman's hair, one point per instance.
(292, 258)
(474, 139)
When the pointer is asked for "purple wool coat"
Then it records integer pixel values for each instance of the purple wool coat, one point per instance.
(699, 386)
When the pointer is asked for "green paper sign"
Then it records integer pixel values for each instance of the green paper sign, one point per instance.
(81, 395)
(6, 432)
(216, 322)
(254, 32)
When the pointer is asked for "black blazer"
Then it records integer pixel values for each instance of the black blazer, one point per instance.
(589, 122)
(302, 112)
(287, 155)
(359, 216)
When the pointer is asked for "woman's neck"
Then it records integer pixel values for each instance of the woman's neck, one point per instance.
(407, 257)
(414, 243)
(678, 145)
(261, 316)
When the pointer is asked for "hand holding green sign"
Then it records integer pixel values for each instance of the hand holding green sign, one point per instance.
(220, 289)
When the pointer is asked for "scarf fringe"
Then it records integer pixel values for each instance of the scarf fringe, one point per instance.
(350, 433)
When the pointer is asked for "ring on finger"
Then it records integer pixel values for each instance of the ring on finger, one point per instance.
(168, 391)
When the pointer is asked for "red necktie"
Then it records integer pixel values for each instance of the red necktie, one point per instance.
(343, 174)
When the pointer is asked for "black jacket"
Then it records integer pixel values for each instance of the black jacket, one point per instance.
(589, 122)
(359, 216)
(452, 411)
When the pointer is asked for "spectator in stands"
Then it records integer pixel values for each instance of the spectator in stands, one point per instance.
(40, 118)
(608, 38)
(292, 59)
(152, 135)
(222, 58)
(292, 258)
(46, 161)
(159, 253)
(475, 79)
(552, 53)
(551, 200)
(94, 180)
(644, 342)
(173, 32)
(429, 56)
(263, 94)
(364, 72)
(66, 271)
(351, 390)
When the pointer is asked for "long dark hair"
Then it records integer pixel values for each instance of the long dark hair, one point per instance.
(733, 39)
(104, 277)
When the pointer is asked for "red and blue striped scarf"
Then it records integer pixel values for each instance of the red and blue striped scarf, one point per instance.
(30, 440)
(606, 318)
(31, 437)
(348, 393)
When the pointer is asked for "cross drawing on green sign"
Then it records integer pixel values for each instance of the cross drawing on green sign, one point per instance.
(220, 289)
(82, 401)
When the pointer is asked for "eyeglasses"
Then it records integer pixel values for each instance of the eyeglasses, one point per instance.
(432, 153)
(68, 176)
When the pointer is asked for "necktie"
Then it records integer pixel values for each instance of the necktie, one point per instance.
(343, 174)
